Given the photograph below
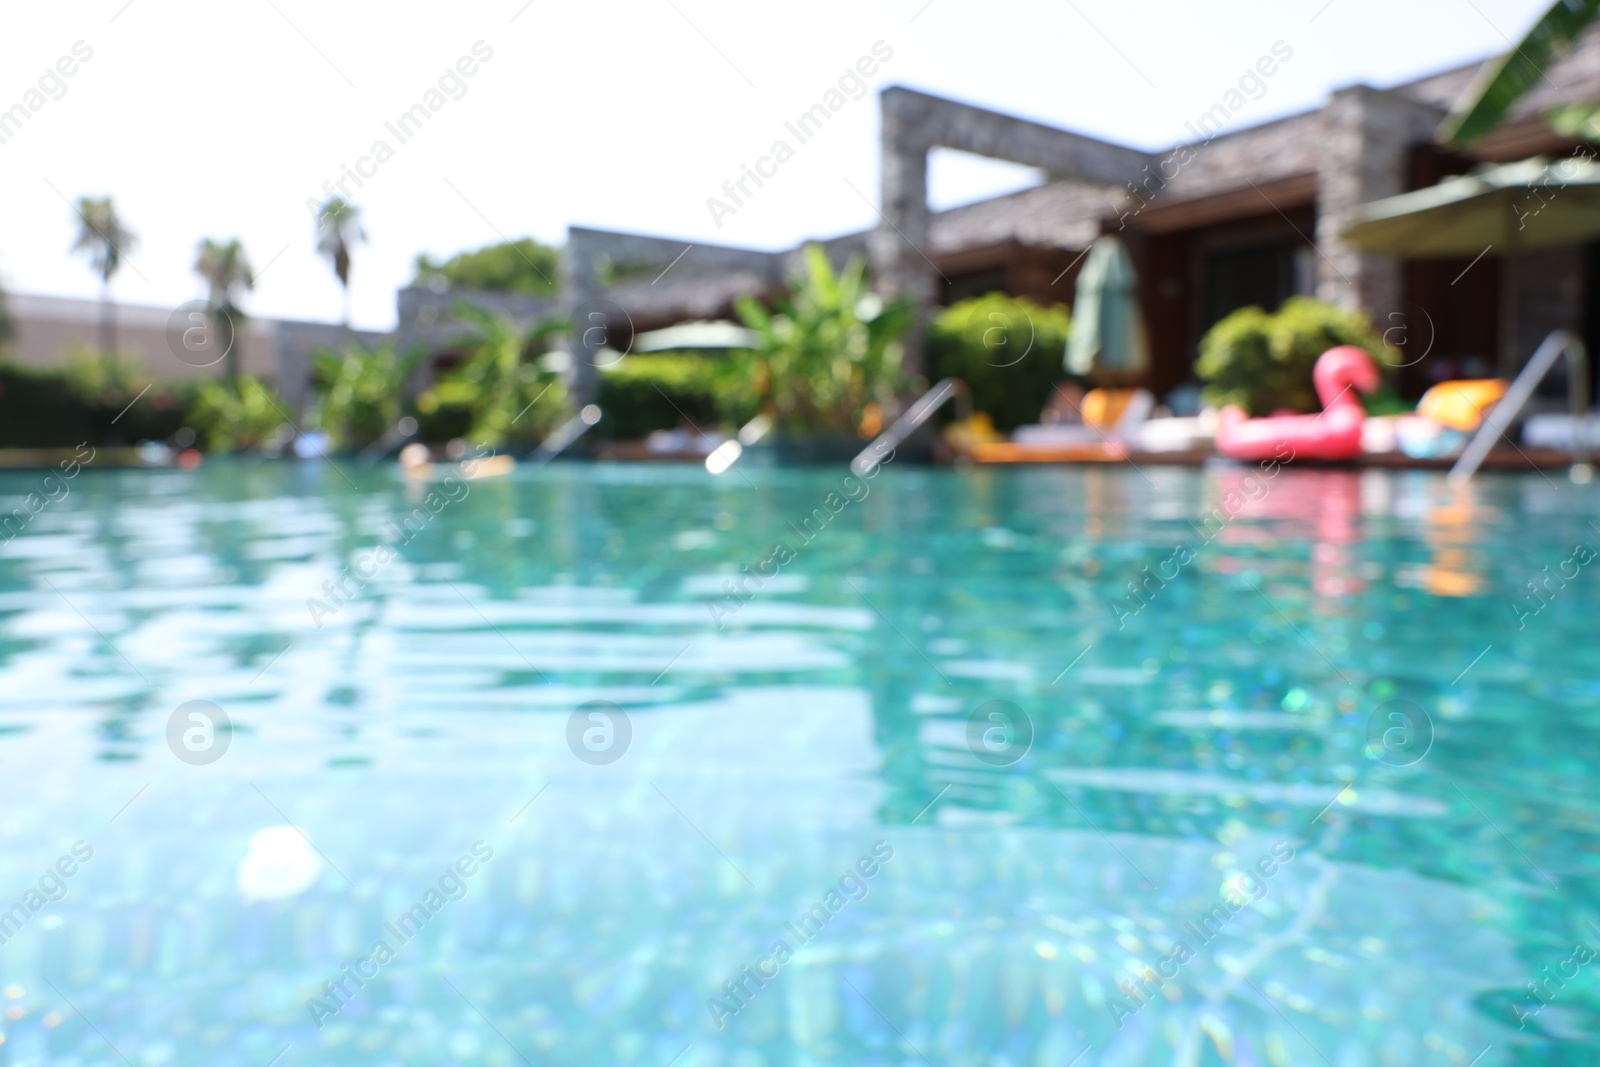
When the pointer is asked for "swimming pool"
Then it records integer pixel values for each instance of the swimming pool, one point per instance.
(634, 765)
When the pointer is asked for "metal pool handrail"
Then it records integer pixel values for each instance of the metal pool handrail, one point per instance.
(919, 412)
(396, 435)
(1559, 343)
(568, 432)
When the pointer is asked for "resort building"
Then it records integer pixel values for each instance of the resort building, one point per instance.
(1233, 217)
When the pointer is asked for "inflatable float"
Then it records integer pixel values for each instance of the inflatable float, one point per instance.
(1332, 434)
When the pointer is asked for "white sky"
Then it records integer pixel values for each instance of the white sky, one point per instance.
(208, 119)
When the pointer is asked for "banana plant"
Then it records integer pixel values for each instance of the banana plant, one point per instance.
(237, 415)
(826, 353)
(360, 392)
(1506, 80)
(508, 397)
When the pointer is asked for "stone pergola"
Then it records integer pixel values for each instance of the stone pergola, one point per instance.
(914, 123)
(595, 311)
(1352, 150)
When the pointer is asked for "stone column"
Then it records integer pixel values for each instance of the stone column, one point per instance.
(1367, 137)
(580, 287)
(898, 246)
(914, 123)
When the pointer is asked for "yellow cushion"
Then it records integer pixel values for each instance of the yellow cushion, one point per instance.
(1462, 405)
(1103, 407)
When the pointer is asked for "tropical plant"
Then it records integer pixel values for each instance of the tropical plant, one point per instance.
(360, 392)
(236, 415)
(827, 355)
(1008, 351)
(225, 269)
(338, 230)
(523, 266)
(105, 240)
(504, 396)
(1504, 81)
(1262, 362)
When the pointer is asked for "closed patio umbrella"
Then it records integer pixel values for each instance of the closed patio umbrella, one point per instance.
(1107, 331)
(1499, 210)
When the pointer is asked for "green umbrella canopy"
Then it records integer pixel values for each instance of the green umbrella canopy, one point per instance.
(1513, 207)
(1107, 331)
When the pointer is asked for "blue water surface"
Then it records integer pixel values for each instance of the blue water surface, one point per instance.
(638, 765)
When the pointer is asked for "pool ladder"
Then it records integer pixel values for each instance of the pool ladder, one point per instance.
(920, 411)
(549, 449)
(1559, 343)
(565, 434)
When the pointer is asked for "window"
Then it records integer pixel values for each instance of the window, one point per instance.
(1260, 275)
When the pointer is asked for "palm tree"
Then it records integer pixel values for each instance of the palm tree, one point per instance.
(103, 237)
(225, 269)
(1505, 80)
(338, 228)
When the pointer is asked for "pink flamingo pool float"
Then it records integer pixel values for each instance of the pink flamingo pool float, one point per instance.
(1332, 434)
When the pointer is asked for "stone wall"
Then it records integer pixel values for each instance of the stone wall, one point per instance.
(1368, 134)
(588, 305)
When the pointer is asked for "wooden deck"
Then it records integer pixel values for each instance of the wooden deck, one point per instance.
(1500, 459)
(1002, 454)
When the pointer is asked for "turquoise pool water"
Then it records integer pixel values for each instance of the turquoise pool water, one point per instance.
(943, 781)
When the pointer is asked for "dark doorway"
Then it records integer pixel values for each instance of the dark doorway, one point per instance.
(1261, 276)
(1591, 309)
(958, 287)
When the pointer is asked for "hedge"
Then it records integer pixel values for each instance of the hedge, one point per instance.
(55, 408)
(1007, 349)
(658, 392)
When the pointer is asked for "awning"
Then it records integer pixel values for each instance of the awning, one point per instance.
(693, 335)
(1510, 208)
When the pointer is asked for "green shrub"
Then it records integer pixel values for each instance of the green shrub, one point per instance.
(360, 392)
(1263, 362)
(98, 380)
(659, 391)
(61, 407)
(1007, 349)
(236, 416)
